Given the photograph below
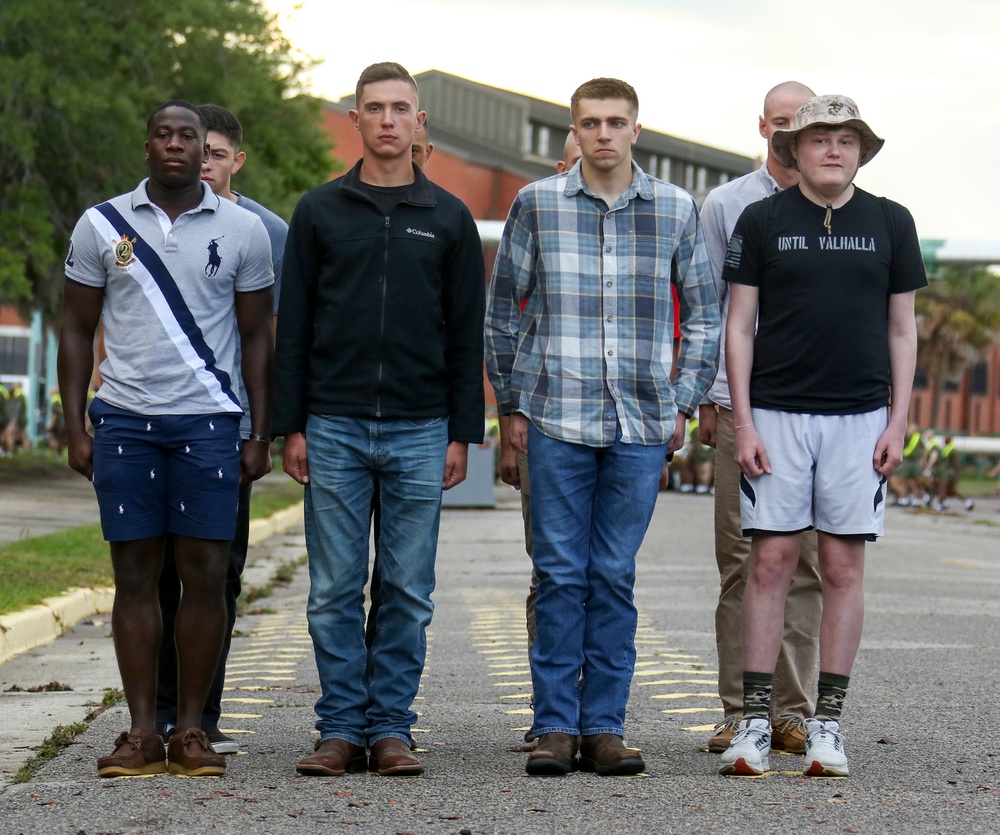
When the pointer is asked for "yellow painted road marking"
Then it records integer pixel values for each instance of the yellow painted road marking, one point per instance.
(685, 696)
(693, 710)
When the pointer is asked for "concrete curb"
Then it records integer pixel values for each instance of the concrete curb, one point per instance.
(37, 625)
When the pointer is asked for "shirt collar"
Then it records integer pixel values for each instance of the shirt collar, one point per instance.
(209, 199)
(769, 182)
(639, 187)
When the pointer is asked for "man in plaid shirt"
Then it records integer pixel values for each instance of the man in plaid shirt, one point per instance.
(585, 374)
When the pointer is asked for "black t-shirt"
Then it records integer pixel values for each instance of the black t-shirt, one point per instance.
(386, 197)
(822, 344)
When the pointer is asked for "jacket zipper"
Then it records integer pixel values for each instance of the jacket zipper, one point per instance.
(381, 352)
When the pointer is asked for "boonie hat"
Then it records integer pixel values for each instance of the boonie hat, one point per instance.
(835, 111)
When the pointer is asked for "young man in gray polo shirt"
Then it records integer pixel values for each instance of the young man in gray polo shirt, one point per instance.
(174, 272)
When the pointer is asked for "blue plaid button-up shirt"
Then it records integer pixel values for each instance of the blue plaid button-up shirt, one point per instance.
(591, 353)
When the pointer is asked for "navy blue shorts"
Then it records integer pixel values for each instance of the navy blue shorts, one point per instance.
(159, 474)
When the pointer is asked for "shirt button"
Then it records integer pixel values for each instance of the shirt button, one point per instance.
(607, 249)
(609, 284)
(611, 353)
(170, 234)
(610, 318)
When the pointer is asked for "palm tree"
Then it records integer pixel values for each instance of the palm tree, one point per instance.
(958, 321)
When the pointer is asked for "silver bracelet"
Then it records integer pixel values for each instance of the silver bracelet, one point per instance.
(260, 438)
(742, 426)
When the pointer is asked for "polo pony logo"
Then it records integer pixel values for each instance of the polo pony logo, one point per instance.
(214, 259)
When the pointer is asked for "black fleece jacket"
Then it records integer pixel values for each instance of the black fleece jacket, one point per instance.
(381, 317)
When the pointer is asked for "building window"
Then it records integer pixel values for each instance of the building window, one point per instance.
(688, 177)
(542, 135)
(977, 379)
(538, 139)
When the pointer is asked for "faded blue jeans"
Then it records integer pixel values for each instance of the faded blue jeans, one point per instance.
(365, 700)
(590, 508)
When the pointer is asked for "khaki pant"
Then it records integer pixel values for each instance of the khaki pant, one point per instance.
(795, 674)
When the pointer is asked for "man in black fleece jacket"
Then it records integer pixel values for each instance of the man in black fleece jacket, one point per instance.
(379, 381)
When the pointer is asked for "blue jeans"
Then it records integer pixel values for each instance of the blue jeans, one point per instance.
(367, 700)
(590, 508)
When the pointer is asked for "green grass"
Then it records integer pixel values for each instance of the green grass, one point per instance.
(276, 492)
(62, 736)
(43, 566)
(976, 487)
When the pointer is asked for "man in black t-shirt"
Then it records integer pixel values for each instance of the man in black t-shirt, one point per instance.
(821, 332)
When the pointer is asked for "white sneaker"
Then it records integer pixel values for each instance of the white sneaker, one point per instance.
(825, 754)
(747, 755)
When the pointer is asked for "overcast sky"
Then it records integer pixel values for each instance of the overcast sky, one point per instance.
(925, 75)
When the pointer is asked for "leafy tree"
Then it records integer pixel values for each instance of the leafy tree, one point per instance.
(958, 322)
(78, 82)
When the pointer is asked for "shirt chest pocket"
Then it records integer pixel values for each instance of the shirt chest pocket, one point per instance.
(649, 258)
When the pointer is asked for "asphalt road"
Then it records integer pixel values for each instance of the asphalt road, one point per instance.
(921, 718)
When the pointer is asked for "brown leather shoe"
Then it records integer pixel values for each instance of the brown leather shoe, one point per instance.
(136, 752)
(789, 734)
(606, 754)
(554, 755)
(724, 733)
(391, 757)
(333, 758)
(190, 753)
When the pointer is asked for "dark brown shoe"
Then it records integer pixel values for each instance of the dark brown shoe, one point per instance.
(606, 754)
(190, 753)
(392, 757)
(136, 752)
(554, 755)
(333, 758)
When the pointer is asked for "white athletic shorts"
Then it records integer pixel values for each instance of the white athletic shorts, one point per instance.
(822, 475)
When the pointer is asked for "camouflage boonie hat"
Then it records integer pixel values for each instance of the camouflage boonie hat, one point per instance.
(836, 111)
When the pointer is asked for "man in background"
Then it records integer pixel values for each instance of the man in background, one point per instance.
(225, 158)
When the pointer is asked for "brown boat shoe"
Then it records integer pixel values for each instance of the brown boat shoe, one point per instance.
(190, 754)
(136, 752)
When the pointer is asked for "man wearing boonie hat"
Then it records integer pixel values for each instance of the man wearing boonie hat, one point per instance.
(821, 332)
(793, 696)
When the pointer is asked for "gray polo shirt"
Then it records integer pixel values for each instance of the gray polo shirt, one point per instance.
(169, 311)
(719, 214)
